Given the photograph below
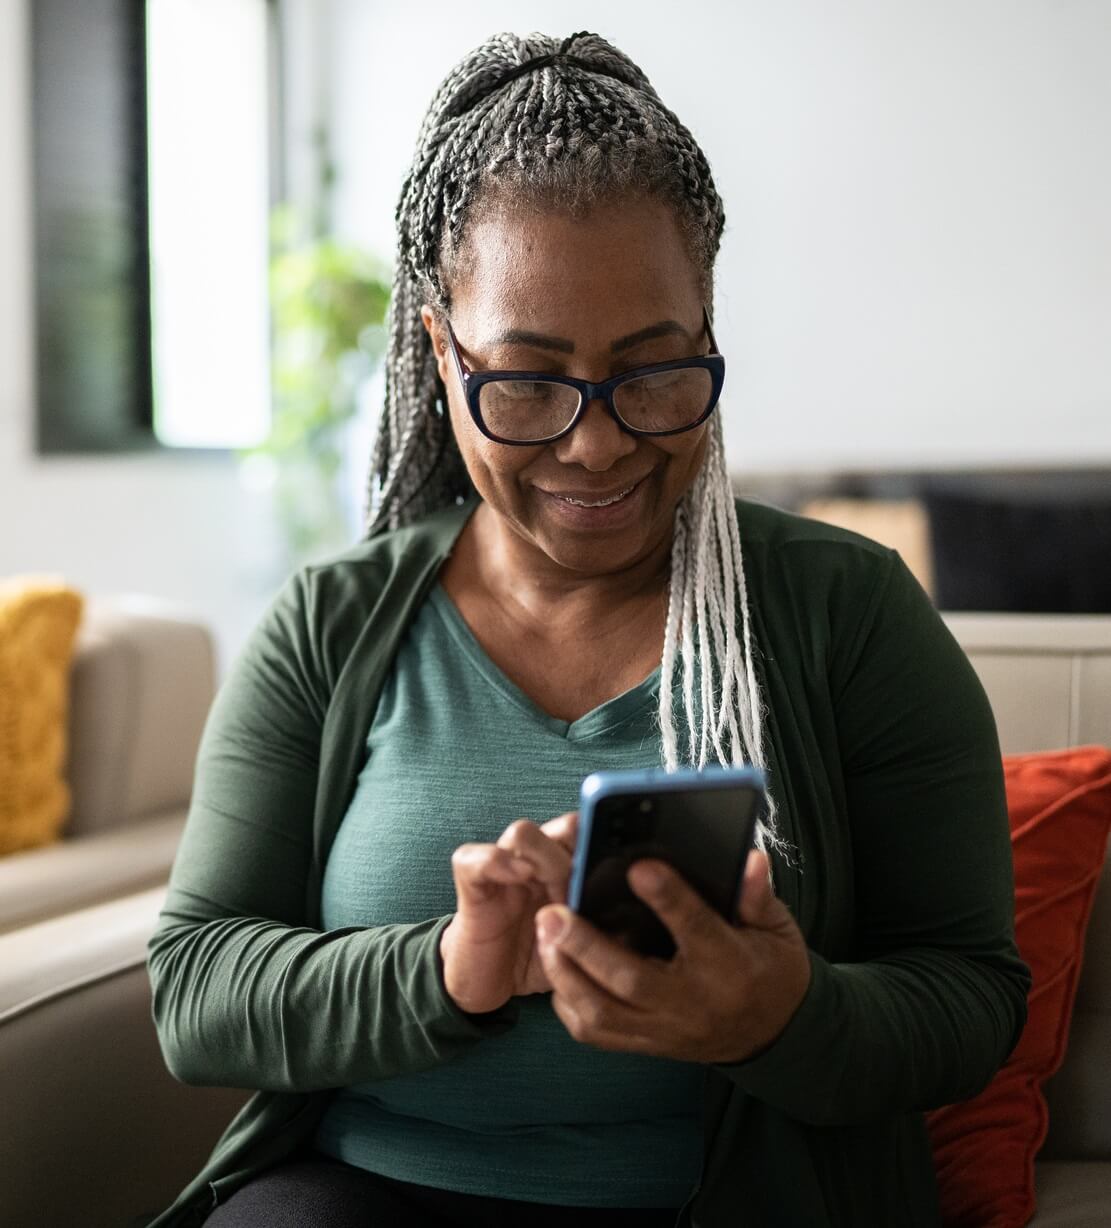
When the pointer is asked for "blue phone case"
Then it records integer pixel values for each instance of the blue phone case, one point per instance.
(671, 815)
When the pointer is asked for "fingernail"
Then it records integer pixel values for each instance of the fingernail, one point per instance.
(552, 925)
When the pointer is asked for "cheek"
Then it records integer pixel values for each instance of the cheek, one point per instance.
(685, 455)
(492, 466)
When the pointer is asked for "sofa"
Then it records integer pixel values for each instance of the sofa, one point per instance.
(95, 1132)
(142, 678)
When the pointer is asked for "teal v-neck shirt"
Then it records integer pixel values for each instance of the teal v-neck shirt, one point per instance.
(455, 753)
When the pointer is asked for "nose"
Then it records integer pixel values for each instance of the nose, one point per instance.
(597, 442)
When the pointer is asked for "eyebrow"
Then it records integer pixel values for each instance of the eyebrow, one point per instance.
(520, 336)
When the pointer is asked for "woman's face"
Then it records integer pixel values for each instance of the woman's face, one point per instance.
(596, 296)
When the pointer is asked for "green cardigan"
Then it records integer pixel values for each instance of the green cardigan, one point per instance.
(885, 761)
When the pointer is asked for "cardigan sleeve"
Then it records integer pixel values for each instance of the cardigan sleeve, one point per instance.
(935, 998)
(245, 992)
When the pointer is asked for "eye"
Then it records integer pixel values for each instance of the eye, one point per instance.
(532, 391)
(662, 380)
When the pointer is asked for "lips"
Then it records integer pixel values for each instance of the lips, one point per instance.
(579, 498)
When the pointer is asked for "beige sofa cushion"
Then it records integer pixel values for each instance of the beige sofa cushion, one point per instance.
(74, 873)
(143, 680)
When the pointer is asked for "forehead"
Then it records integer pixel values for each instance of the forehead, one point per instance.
(541, 267)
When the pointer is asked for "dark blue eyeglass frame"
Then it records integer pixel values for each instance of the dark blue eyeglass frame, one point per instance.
(472, 382)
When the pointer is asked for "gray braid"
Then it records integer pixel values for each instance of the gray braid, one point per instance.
(539, 120)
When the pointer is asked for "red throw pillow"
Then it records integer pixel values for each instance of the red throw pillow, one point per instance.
(984, 1148)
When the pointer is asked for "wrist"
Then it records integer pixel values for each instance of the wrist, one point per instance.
(765, 1043)
(449, 978)
(443, 958)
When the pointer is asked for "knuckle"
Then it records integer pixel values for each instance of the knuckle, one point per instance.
(577, 1026)
(562, 830)
(565, 1013)
(519, 831)
(628, 983)
(592, 1014)
(463, 854)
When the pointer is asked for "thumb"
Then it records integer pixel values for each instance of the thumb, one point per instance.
(759, 906)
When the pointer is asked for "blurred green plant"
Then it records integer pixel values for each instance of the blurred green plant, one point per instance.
(328, 303)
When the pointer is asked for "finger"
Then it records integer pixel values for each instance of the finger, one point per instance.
(550, 860)
(564, 829)
(527, 837)
(760, 907)
(623, 974)
(756, 889)
(477, 868)
(590, 1014)
(690, 920)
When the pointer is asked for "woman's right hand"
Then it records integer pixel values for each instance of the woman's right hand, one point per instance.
(489, 947)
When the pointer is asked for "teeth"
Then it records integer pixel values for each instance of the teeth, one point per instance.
(601, 503)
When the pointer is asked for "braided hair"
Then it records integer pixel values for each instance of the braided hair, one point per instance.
(569, 124)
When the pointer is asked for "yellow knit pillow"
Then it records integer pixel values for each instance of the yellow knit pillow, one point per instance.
(38, 625)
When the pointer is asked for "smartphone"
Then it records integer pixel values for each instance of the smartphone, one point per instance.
(702, 822)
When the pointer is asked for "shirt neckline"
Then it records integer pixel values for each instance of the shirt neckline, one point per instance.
(605, 717)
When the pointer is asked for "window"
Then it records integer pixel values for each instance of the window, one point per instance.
(150, 146)
(209, 198)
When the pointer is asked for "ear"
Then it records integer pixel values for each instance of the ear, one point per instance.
(439, 341)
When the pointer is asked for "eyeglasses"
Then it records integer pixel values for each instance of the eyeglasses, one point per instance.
(530, 407)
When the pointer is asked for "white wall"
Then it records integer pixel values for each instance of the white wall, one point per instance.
(916, 270)
(173, 525)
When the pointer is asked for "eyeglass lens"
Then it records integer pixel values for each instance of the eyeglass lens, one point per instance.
(523, 410)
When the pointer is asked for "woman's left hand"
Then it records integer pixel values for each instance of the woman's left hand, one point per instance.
(725, 994)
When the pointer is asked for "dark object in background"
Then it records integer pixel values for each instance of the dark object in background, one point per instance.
(1034, 557)
(92, 258)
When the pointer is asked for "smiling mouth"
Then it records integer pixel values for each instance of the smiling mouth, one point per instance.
(575, 501)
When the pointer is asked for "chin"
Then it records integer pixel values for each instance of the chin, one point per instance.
(596, 553)
(595, 561)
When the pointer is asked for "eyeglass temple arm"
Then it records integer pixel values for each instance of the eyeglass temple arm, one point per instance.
(710, 330)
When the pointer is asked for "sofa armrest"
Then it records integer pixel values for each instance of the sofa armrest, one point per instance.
(143, 679)
(82, 1076)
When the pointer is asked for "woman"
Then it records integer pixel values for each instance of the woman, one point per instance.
(360, 924)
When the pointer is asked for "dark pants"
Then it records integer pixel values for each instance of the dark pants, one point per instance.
(317, 1191)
